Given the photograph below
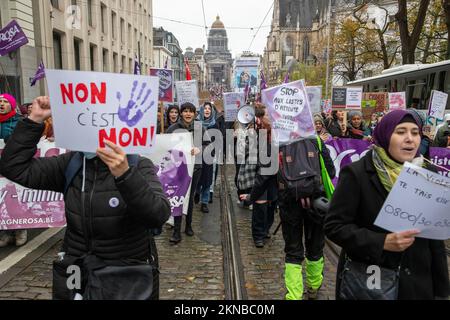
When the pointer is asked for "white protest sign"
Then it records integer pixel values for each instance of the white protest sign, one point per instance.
(438, 102)
(397, 100)
(90, 107)
(354, 98)
(232, 102)
(315, 98)
(175, 165)
(420, 199)
(187, 91)
(289, 111)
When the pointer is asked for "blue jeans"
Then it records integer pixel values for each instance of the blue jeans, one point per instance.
(204, 194)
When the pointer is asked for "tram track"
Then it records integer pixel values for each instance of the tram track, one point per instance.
(233, 268)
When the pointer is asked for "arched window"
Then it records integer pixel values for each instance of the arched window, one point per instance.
(305, 48)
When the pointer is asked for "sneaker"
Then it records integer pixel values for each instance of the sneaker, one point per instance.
(204, 208)
(259, 243)
(5, 240)
(312, 293)
(21, 237)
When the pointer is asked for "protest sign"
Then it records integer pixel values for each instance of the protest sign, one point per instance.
(187, 91)
(441, 158)
(12, 38)
(165, 83)
(232, 102)
(348, 98)
(24, 208)
(368, 108)
(175, 165)
(420, 199)
(339, 98)
(326, 106)
(380, 97)
(90, 107)
(397, 101)
(315, 98)
(289, 111)
(438, 102)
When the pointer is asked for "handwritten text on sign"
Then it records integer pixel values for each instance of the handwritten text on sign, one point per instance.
(420, 199)
(90, 107)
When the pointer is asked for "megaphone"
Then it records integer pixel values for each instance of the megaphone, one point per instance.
(246, 114)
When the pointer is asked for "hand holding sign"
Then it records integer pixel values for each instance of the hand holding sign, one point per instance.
(115, 159)
(134, 105)
(40, 110)
(399, 242)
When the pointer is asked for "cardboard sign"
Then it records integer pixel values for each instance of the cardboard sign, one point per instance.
(289, 111)
(380, 97)
(91, 107)
(12, 38)
(232, 103)
(175, 165)
(438, 102)
(339, 98)
(165, 83)
(397, 101)
(187, 91)
(23, 208)
(420, 199)
(315, 98)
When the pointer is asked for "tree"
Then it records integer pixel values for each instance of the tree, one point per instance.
(410, 33)
(446, 6)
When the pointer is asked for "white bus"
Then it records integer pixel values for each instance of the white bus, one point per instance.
(417, 80)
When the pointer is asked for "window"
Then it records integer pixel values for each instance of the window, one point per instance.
(104, 23)
(305, 49)
(57, 51)
(76, 51)
(116, 62)
(92, 56)
(114, 25)
(55, 4)
(124, 65)
(122, 31)
(105, 60)
(89, 9)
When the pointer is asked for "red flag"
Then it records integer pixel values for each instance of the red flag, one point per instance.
(188, 71)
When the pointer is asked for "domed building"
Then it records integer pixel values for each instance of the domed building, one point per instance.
(218, 59)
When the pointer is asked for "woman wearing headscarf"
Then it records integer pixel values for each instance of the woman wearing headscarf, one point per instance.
(362, 189)
(8, 121)
(319, 123)
(207, 116)
(356, 128)
(172, 116)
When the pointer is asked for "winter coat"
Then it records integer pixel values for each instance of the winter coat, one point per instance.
(333, 127)
(349, 223)
(112, 217)
(266, 186)
(7, 127)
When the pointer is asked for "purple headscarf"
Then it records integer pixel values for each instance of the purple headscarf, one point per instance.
(384, 130)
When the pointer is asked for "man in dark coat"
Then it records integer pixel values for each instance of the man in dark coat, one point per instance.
(110, 205)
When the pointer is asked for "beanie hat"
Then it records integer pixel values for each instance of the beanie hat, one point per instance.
(318, 117)
(354, 113)
(10, 98)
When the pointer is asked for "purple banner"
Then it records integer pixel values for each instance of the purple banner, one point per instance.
(23, 208)
(165, 83)
(441, 157)
(40, 74)
(12, 38)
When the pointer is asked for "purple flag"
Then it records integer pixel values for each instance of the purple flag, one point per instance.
(286, 78)
(12, 38)
(137, 67)
(40, 74)
(263, 83)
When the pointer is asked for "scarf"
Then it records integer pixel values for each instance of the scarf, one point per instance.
(387, 169)
(6, 117)
(207, 122)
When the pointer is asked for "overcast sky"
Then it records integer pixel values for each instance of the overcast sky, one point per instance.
(233, 13)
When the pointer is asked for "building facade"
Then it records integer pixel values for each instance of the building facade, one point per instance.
(298, 31)
(94, 35)
(218, 59)
(17, 68)
(196, 65)
(167, 45)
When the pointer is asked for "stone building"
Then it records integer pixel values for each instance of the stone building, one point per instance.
(218, 59)
(167, 45)
(196, 65)
(298, 31)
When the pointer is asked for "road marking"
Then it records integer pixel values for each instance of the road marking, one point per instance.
(16, 256)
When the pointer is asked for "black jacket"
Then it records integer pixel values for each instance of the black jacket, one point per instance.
(356, 203)
(112, 218)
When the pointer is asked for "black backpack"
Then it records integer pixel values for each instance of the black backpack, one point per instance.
(299, 174)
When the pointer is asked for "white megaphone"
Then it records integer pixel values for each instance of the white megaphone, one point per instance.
(246, 114)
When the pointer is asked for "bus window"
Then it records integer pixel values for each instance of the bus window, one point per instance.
(416, 91)
(441, 85)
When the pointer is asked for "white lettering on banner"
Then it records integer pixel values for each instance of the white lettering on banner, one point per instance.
(420, 199)
(9, 34)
